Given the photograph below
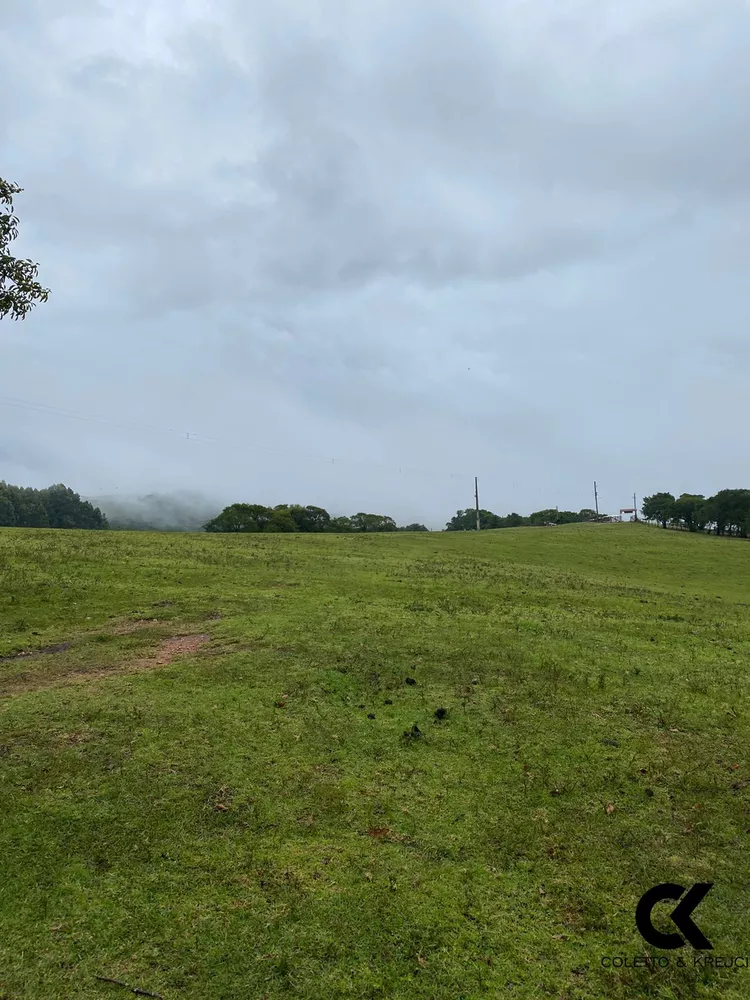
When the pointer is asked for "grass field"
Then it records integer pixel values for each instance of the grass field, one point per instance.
(254, 815)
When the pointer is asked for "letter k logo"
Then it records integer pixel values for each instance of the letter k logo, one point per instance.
(680, 916)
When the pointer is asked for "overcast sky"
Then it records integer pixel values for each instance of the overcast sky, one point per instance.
(363, 250)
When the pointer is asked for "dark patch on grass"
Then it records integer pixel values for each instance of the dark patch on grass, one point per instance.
(60, 647)
(410, 735)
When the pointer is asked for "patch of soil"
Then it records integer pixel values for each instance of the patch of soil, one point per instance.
(165, 653)
(179, 646)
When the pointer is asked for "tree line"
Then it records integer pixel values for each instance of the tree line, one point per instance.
(54, 507)
(466, 520)
(725, 513)
(252, 517)
(58, 506)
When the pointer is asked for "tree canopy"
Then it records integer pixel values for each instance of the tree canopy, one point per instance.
(659, 507)
(19, 289)
(466, 520)
(725, 513)
(54, 507)
(245, 517)
(58, 506)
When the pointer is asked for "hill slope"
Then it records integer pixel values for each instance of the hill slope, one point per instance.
(276, 810)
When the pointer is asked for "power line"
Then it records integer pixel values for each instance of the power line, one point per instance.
(197, 438)
(62, 411)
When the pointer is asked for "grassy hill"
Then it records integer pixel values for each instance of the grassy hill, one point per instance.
(226, 777)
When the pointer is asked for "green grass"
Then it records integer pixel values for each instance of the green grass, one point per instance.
(235, 825)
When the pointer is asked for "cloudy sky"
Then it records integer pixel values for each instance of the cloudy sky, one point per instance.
(355, 252)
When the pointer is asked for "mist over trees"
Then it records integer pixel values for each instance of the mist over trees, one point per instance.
(181, 511)
(725, 513)
(54, 507)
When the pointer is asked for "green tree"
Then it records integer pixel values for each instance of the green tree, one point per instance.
(309, 518)
(7, 510)
(688, 510)
(340, 525)
(238, 517)
(53, 507)
(414, 527)
(281, 520)
(30, 511)
(459, 521)
(263, 515)
(587, 514)
(714, 515)
(65, 509)
(466, 520)
(659, 507)
(372, 522)
(567, 517)
(546, 516)
(19, 289)
(729, 510)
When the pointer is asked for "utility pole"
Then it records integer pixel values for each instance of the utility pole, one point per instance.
(596, 500)
(635, 508)
(476, 498)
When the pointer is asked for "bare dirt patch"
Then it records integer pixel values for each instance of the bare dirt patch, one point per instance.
(162, 655)
(178, 646)
(165, 652)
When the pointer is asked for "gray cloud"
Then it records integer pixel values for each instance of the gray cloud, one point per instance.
(502, 238)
